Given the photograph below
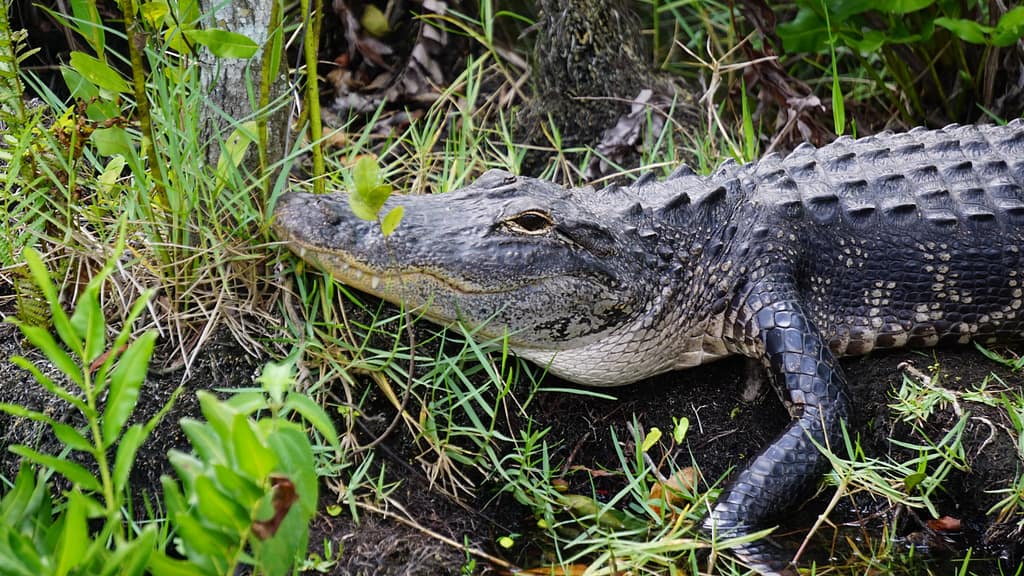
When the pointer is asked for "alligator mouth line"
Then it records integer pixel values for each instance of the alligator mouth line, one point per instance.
(363, 277)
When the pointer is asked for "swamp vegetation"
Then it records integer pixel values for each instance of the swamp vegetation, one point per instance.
(181, 396)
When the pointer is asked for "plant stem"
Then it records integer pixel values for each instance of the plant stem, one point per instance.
(312, 17)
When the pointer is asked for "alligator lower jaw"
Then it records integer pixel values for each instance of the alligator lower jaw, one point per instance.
(346, 272)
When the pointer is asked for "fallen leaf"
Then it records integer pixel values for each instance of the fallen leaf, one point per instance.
(945, 524)
(282, 500)
(676, 491)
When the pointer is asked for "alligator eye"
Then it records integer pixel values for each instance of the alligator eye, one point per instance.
(530, 222)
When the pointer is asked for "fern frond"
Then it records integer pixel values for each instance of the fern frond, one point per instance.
(12, 104)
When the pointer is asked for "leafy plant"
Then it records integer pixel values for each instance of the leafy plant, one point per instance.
(245, 497)
(369, 193)
(103, 382)
(247, 494)
(908, 42)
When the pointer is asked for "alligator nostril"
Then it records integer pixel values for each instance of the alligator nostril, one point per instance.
(332, 217)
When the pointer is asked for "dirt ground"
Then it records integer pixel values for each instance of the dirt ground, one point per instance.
(724, 433)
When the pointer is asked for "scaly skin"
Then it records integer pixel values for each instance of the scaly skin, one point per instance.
(894, 240)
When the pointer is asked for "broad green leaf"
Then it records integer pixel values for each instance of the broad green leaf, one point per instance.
(235, 147)
(903, 6)
(73, 472)
(102, 110)
(218, 509)
(71, 437)
(314, 414)
(131, 558)
(204, 440)
(89, 24)
(840, 10)
(806, 32)
(253, 457)
(651, 439)
(870, 41)
(20, 556)
(77, 85)
(17, 504)
(292, 447)
(89, 323)
(125, 382)
(912, 480)
(247, 402)
(966, 30)
(161, 564)
(154, 13)
(368, 194)
(391, 220)
(113, 141)
(74, 538)
(43, 340)
(276, 555)
(187, 466)
(366, 173)
(99, 73)
(174, 501)
(679, 429)
(222, 43)
(276, 379)
(219, 415)
(1010, 27)
(175, 39)
(374, 21)
(124, 459)
(189, 12)
(110, 175)
(244, 490)
(204, 544)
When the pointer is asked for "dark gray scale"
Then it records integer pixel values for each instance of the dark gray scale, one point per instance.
(894, 240)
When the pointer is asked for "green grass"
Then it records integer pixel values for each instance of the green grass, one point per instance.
(199, 232)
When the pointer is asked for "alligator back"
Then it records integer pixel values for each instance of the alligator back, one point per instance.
(901, 239)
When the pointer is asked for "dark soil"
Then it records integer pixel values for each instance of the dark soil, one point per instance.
(724, 433)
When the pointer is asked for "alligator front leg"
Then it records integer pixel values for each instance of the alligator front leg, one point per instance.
(774, 327)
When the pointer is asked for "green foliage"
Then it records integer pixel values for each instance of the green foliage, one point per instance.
(244, 498)
(36, 537)
(915, 44)
(224, 44)
(247, 494)
(12, 53)
(370, 192)
(1007, 31)
(817, 24)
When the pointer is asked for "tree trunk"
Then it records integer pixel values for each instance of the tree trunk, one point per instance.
(225, 79)
(589, 63)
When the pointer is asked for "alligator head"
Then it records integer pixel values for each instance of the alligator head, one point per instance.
(563, 273)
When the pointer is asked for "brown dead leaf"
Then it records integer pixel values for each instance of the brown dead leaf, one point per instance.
(282, 500)
(945, 524)
(675, 491)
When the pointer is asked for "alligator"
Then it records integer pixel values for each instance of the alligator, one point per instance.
(907, 239)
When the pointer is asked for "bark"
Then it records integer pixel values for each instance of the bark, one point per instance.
(589, 63)
(226, 79)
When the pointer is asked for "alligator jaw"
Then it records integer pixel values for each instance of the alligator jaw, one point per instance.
(456, 257)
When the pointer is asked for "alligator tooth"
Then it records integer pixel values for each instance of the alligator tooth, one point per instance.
(374, 282)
